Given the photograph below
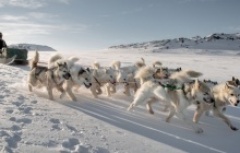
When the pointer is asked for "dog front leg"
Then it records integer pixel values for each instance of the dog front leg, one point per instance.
(30, 87)
(70, 94)
(172, 112)
(218, 113)
(149, 105)
(93, 90)
(181, 116)
(50, 94)
(127, 90)
(108, 90)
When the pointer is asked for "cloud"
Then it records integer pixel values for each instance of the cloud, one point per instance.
(30, 4)
(12, 18)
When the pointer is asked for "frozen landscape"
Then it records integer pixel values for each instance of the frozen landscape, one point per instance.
(31, 123)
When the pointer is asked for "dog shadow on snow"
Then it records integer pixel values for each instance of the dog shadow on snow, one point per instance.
(113, 111)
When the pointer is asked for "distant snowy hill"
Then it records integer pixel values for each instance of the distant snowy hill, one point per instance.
(32, 47)
(216, 41)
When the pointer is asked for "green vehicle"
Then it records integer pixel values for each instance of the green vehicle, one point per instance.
(14, 56)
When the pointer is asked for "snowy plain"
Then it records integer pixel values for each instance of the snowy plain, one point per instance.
(30, 123)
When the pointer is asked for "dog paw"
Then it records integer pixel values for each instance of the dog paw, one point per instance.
(199, 130)
(234, 128)
(151, 112)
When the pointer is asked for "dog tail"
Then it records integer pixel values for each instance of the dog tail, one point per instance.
(96, 65)
(184, 76)
(71, 61)
(116, 65)
(144, 74)
(33, 63)
(53, 59)
(140, 63)
(157, 64)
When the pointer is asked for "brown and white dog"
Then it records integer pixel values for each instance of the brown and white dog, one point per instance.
(178, 96)
(42, 76)
(224, 94)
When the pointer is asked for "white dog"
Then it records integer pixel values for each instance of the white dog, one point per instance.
(41, 76)
(224, 94)
(79, 75)
(178, 98)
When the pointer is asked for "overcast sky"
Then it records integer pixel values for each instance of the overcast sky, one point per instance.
(76, 25)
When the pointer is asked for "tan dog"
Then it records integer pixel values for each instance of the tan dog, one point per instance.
(41, 76)
(224, 94)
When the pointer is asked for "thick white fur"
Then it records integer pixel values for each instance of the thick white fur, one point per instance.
(77, 78)
(176, 101)
(224, 94)
(45, 78)
(96, 65)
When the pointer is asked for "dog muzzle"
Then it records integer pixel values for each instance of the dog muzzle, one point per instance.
(67, 76)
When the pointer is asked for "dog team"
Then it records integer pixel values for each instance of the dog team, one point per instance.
(176, 89)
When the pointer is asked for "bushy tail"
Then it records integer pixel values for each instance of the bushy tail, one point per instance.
(144, 73)
(96, 65)
(116, 65)
(71, 61)
(33, 63)
(53, 59)
(157, 64)
(140, 63)
(184, 76)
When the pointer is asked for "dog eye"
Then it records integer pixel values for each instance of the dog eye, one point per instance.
(205, 93)
(231, 94)
(86, 79)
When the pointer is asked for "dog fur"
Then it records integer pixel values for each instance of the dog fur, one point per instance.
(50, 78)
(224, 94)
(79, 76)
(177, 100)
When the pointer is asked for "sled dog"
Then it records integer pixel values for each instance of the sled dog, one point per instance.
(224, 94)
(178, 96)
(79, 75)
(50, 78)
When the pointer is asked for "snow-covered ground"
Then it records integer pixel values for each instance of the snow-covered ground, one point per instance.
(30, 123)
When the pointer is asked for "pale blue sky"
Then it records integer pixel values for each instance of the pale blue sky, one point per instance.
(76, 25)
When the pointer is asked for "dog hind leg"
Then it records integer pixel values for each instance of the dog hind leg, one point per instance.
(149, 105)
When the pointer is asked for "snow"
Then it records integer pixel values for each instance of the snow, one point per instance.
(30, 122)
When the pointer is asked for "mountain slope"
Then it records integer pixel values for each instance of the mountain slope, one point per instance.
(219, 41)
(32, 47)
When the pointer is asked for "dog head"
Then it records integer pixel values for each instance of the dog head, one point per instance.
(84, 77)
(111, 75)
(161, 73)
(63, 70)
(232, 93)
(122, 76)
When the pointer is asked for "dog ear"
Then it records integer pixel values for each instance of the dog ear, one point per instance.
(233, 78)
(59, 64)
(204, 80)
(87, 69)
(237, 82)
(229, 85)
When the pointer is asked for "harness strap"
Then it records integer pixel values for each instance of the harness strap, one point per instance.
(97, 81)
(169, 86)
